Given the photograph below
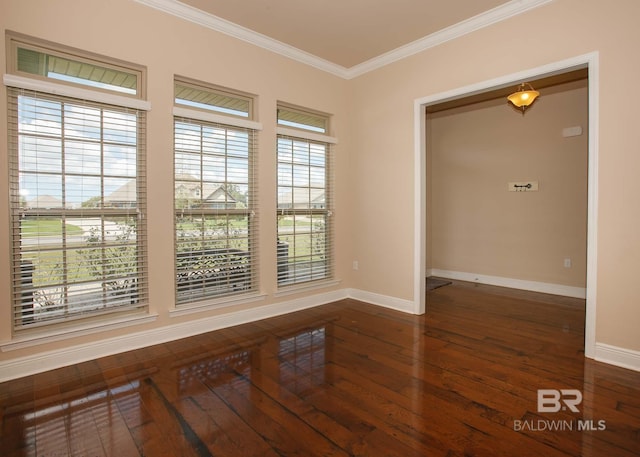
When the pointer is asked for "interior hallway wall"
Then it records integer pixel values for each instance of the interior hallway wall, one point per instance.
(477, 225)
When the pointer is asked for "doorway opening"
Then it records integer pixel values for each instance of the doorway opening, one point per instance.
(565, 69)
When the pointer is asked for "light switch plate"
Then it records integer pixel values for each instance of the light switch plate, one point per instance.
(523, 186)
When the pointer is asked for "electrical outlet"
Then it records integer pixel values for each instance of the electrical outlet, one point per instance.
(356, 265)
(567, 262)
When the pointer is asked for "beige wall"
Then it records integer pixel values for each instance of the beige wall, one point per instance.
(166, 45)
(477, 226)
(383, 143)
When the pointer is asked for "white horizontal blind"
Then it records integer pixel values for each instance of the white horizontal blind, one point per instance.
(305, 225)
(77, 177)
(215, 210)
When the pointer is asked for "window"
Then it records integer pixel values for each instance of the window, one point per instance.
(292, 117)
(46, 61)
(77, 190)
(215, 100)
(215, 198)
(305, 231)
(302, 360)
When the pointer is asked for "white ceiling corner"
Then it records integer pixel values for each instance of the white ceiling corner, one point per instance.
(205, 19)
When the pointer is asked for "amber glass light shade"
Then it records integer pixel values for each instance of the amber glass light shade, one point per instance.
(524, 96)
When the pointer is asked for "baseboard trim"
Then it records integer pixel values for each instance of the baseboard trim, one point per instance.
(534, 286)
(620, 357)
(398, 304)
(50, 360)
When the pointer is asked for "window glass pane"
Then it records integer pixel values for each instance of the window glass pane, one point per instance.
(120, 193)
(188, 166)
(39, 116)
(82, 122)
(42, 191)
(238, 144)
(301, 152)
(285, 150)
(119, 128)
(317, 154)
(317, 176)
(79, 189)
(120, 160)
(40, 154)
(300, 175)
(285, 176)
(187, 137)
(214, 168)
(82, 158)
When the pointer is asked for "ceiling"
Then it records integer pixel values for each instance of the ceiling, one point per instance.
(345, 37)
(346, 32)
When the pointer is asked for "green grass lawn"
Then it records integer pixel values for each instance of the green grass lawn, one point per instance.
(289, 222)
(47, 227)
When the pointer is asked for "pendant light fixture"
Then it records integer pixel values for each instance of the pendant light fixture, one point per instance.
(523, 97)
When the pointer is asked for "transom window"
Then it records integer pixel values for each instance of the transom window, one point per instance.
(41, 60)
(301, 119)
(193, 95)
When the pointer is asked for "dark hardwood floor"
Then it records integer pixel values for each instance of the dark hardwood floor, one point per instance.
(343, 379)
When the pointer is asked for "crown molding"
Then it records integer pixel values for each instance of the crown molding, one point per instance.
(189, 13)
(212, 22)
(492, 16)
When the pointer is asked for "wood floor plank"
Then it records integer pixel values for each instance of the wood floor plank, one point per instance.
(227, 434)
(268, 378)
(285, 432)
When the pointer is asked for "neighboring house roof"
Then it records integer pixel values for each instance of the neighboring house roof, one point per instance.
(220, 195)
(189, 187)
(44, 202)
(124, 193)
(186, 186)
(304, 199)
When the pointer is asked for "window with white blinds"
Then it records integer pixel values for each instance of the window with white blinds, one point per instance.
(305, 227)
(216, 220)
(77, 182)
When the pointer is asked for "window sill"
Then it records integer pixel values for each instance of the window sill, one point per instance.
(308, 286)
(40, 337)
(208, 305)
